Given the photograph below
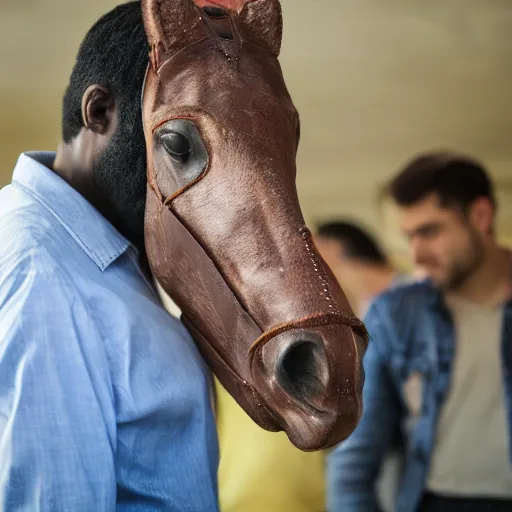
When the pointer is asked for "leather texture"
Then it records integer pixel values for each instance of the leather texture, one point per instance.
(225, 235)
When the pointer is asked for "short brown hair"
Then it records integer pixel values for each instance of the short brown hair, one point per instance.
(356, 242)
(456, 179)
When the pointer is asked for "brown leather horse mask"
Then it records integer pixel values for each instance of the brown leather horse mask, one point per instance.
(225, 236)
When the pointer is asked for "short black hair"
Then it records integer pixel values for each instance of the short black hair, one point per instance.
(113, 54)
(356, 242)
(457, 180)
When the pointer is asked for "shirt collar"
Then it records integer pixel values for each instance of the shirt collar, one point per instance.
(96, 236)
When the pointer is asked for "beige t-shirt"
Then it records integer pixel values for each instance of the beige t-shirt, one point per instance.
(471, 455)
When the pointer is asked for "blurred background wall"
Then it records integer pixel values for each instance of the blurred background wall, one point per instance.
(375, 82)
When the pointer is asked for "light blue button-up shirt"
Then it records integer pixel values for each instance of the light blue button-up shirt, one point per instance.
(104, 399)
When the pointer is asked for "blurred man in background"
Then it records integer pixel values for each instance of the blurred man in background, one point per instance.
(440, 358)
(364, 271)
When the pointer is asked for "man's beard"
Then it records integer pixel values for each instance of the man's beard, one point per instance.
(463, 269)
(120, 174)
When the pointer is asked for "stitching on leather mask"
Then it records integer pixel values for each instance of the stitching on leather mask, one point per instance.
(319, 270)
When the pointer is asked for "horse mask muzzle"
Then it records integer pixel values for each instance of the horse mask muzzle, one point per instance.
(225, 236)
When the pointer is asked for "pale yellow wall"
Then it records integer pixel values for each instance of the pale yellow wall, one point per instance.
(374, 83)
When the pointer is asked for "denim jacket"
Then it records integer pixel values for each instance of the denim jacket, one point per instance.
(410, 355)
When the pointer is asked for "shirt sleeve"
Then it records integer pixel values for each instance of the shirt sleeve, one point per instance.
(57, 427)
(354, 464)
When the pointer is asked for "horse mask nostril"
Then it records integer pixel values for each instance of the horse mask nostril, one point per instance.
(300, 370)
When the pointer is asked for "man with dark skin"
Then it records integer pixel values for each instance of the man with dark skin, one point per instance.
(104, 398)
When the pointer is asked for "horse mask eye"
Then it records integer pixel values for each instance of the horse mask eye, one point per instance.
(179, 144)
(224, 233)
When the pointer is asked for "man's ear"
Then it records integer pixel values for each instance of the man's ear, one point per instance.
(98, 109)
(482, 214)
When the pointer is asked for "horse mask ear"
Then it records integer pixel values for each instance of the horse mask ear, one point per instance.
(262, 24)
(175, 24)
(170, 26)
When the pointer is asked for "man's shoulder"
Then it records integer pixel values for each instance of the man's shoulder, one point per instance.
(25, 225)
(32, 252)
(30, 273)
(32, 237)
(408, 296)
(400, 315)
